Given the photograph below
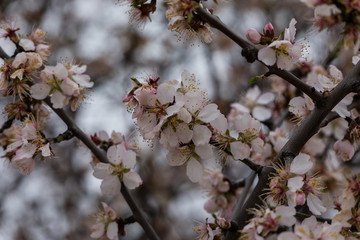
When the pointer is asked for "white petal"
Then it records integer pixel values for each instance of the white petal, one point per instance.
(201, 135)
(112, 231)
(58, 100)
(267, 56)
(183, 133)
(27, 44)
(209, 113)
(239, 150)
(184, 115)
(204, 151)
(266, 98)
(176, 157)
(102, 170)
(301, 164)
(295, 183)
(261, 113)
(98, 230)
(40, 91)
(45, 150)
(110, 185)
(129, 159)
(194, 170)
(220, 124)
(114, 154)
(132, 180)
(315, 205)
(165, 93)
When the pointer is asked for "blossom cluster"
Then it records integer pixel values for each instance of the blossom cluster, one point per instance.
(328, 14)
(180, 116)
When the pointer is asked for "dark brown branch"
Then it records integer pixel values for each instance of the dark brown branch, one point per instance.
(302, 134)
(253, 166)
(100, 154)
(67, 135)
(250, 53)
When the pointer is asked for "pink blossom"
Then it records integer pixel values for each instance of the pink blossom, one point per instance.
(344, 149)
(253, 35)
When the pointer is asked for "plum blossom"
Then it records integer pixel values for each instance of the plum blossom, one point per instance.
(106, 225)
(268, 220)
(118, 170)
(23, 143)
(63, 83)
(344, 149)
(282, 52)
(183, 21)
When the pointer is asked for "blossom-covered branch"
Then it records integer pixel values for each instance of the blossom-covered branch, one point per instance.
(250, 52)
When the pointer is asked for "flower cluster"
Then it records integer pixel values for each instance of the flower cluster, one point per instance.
(122, 160)
(290, 184)
(188, 125)
(206, 230)
(222, 195)
(328, 14)
(268, 220)
(282, 50)
(140, 10)
(106, 225)
(22, 143)
(184, 22)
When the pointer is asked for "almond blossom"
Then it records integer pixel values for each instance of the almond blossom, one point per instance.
(106, 225)
(118, 170)
(282, 52)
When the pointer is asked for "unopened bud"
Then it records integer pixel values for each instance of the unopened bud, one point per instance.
(300, 198)
(253, 36)
(269, 30)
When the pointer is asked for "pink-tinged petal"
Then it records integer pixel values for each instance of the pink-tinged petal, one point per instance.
(98, 230)
(335, 73)
(132, 180)
(102, 170)
(355, 59)
(27, 44)
(266, 98)
(194, 170)
(267, 55)
(110, 185)
(26, 151)
(112, 231)
(34, 59)
(60, 71)
(211, 207)
(176, 157)
(129, 159)
(220, 124)
(344, 149)
(168, 138)
(40, 91)
(45, 150)
(284, 62)
(204, 151)
(315, 204)
(114, 154)
(301, 164)
(325, 82)
(326, 10)
(294, 52)
(253, 94)
(109, 211)
(286, 215)
(69, 87)
(20, 58)
(193, 102)
(183, 133)
(257, 145)
(261, 113)
(18, 74)
(58, 100)
(295, 183)
(83, 80)
(209, 113)
(184, 115)
(290, 32)
(239, 150)
(253, 35)
(26, 165)
(201, 135)
(291, 198)
(165, 93)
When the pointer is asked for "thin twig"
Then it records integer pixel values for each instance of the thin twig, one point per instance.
(250, 53)
(100, 154)
(253, 166)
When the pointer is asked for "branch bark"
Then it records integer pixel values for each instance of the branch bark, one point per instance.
(250, 53)
(100, 154)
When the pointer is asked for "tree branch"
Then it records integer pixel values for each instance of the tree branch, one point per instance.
(3, 54)
(250, 53)
(100, 154)
(301, 135)
(253, 166)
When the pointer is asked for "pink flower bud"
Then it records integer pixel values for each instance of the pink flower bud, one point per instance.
(300, 198)
(253, 36)
(269, 30)
(222, 223)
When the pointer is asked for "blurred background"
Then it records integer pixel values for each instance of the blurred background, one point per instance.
(59, 197)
